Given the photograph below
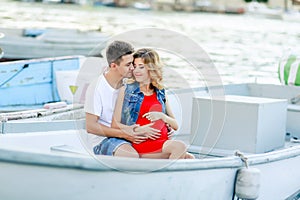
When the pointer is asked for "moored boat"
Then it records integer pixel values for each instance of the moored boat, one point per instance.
(29, 84)
(39, 94)
(50, 42)
(35, 81)
(261, 10)
(62, 160)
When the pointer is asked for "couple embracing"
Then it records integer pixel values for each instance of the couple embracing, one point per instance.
(135, 118)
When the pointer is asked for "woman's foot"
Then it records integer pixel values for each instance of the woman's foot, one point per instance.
(189, 156)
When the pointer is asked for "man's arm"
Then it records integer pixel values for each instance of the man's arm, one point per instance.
(92, 117)
(92, 126)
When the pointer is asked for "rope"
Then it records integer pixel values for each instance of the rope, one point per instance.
(242, 157)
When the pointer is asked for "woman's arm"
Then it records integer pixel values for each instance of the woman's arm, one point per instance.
(167, 118)
(170, 118)
(116, 121)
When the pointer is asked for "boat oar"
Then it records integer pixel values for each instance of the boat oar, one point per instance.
(14, 75)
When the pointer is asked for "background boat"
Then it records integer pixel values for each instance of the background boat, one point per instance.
(29, 84)
(45, 94)
(261, 10)
(51, 42)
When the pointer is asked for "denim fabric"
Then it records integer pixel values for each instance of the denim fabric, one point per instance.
(133, 99)
(108, 146)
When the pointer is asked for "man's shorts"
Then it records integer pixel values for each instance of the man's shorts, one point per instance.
(108, 146)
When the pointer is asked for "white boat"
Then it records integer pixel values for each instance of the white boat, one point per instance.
(261, 10)
(51, 42)
(142, 6)
(59, 164)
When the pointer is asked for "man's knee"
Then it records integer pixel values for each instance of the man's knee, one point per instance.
(126, 150)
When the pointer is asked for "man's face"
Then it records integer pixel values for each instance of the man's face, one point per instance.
(125, 67)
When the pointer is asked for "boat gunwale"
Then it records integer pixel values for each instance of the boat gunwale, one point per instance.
(89, 162)
(39, 60)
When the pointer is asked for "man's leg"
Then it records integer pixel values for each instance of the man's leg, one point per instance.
(126, 150)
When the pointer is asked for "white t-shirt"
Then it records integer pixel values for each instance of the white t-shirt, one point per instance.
(100, 100)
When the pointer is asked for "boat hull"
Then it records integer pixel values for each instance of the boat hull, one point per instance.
(50, 43)
(44, 182)
(37, 172)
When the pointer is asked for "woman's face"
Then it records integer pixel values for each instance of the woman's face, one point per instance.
(140, 71)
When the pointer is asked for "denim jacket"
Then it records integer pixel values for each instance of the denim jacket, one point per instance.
(133, 99)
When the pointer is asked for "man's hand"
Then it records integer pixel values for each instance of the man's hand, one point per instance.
(132, 136)
(148, 131)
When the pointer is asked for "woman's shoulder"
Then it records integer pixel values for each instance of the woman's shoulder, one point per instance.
(161, 91)
(131, 86)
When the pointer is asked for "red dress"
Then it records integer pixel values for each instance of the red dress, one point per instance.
(150, 103)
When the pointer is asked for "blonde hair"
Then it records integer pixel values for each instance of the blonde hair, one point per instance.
(153, 65)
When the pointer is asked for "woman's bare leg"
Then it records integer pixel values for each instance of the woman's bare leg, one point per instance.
(175, 148)
(156, 155)
(126, 150)
(172, 149)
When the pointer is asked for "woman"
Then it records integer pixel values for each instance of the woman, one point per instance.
(143, 101)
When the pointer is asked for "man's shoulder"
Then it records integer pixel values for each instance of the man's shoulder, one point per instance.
(101, 83)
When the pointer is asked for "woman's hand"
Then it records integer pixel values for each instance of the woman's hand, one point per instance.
(154, 116)
(148, 131)
(171, 131)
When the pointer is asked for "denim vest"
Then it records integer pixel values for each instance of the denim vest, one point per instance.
(133, 99)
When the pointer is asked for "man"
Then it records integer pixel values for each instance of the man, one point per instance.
(100, 102)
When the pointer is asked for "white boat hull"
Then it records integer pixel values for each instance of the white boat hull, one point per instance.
(30, 167)
(59, 164)
(44, 182)
(52, 43)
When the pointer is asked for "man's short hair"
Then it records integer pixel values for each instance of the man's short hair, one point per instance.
(116, 50)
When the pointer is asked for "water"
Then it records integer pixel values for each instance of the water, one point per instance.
(243, 48)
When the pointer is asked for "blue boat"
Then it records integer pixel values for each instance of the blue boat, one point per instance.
(45, 94)
(30, 84)
(30, 97)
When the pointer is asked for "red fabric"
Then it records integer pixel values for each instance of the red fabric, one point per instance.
(150, 103)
